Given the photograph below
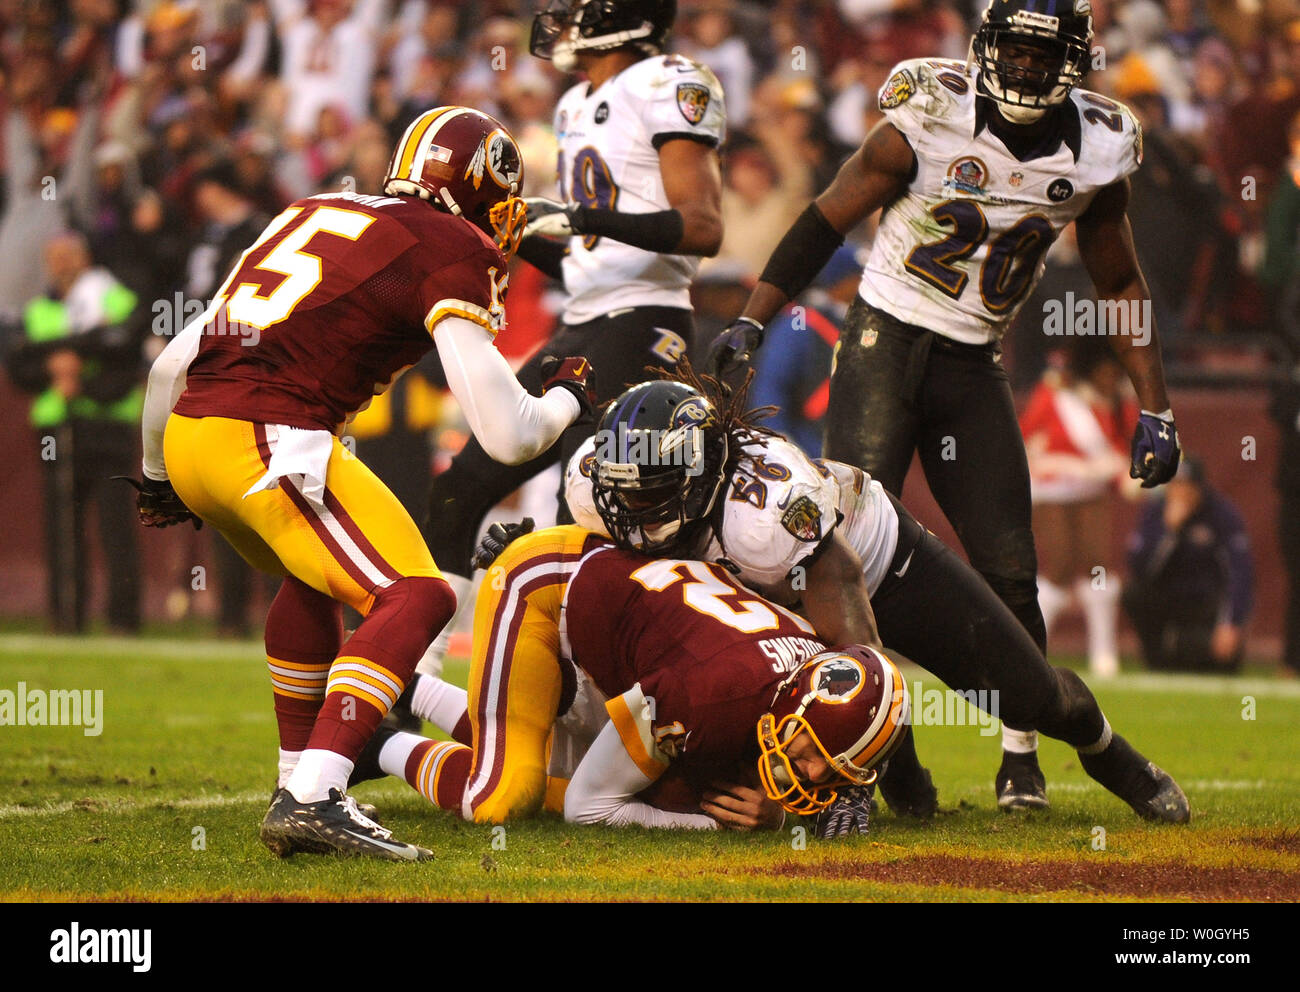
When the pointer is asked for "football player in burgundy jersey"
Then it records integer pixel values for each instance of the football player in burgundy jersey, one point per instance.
(639, 193)
(675, 472)
(647, 667)
(976, 167)
(323, 311)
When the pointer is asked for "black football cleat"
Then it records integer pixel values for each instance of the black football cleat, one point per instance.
(331, 826)
(1150, 791)
(914, 797)
(365, 809)
(1019, 783)
(367, 767)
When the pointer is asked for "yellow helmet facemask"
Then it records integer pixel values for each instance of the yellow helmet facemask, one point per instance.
(508, 219)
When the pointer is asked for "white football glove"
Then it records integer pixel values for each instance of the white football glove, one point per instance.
(549, 217)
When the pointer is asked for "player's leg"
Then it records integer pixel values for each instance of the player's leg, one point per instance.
(517, 685)
(871, 422)
(352, 543)
(974, 460)
(871, 416)
(974, 644)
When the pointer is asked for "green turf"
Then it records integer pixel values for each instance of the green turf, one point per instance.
(164, 804)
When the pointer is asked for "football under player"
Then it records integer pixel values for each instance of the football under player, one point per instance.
(978, 166)
(647, 667)
(826, 539)
(639, 203)
(324, 310)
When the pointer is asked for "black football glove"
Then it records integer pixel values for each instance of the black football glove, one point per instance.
(1156, 451)
(734, 347)
(496, 540)
(849, 813)
(158, 504)
(574, 374)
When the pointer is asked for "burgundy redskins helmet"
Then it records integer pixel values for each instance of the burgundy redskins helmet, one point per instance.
(467, 163)
(853, 704)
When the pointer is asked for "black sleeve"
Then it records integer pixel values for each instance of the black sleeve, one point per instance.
(802, 253)
(544, 254)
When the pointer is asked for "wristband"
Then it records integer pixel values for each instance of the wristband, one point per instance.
(802, 253)
(660, 232)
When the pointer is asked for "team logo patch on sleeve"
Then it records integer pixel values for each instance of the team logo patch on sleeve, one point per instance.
(803, 519)
(692, 101)
(897, 90)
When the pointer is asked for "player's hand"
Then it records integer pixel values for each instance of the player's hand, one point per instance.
(574, 374)
(741, 807)
(734, 347)
(496, 540)
(850, 813)
(549, 217)
(158, 505)
(1156, 451)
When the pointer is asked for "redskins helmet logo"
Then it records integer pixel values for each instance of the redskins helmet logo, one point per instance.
(498, 157)
(838, 679)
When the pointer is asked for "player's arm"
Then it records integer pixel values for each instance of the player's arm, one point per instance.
(691, 226)
(1106, 247)
(874, 175)
(166, 383)
(604, 787)
(835, 598)
(511, 424)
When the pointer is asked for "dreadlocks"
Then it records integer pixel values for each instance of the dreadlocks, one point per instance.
(741, 425)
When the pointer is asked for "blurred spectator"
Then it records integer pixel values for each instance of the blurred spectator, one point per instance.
(1191, 577)
(329, 49)
(793, 369)
(1285, 411)
(1077, 428)
(1280, 272)
(710, 39)
(84, 369)
(766, 188)
(1172, 208)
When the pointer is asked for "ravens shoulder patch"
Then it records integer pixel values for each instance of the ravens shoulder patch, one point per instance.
(692, 101)
(898, 89)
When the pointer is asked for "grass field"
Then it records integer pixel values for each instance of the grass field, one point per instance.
(164, 805)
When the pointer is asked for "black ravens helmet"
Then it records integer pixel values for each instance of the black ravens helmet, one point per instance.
(565, 27)
(659, 458)
(1031, 53)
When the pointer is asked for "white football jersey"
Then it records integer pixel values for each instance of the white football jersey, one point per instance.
(778, 506)
(961, 250)
(609, 143)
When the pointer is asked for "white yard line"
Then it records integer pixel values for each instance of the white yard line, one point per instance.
(129, 806)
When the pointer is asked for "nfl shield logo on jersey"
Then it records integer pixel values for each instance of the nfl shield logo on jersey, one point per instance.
(692, 101)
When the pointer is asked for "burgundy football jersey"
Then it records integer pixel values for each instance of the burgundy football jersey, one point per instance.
(706, 653)
(339, 294)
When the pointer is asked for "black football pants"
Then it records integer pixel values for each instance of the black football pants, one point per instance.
(619, 346)
(897, 389)
(942, 615)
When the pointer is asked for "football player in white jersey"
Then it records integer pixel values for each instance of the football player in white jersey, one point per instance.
(978, 166)
(673, 472)
(640, 194)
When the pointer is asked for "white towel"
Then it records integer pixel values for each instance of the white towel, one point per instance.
(297, 452)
